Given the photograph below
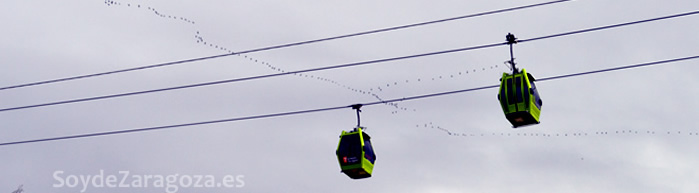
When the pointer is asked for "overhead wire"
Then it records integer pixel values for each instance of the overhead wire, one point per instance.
(345, 65)
(241, 79)
(609, 26)
(337, 107)
(281, 45)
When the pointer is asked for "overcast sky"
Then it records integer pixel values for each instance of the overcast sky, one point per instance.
(625, 131)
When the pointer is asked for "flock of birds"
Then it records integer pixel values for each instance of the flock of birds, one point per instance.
(373, 91)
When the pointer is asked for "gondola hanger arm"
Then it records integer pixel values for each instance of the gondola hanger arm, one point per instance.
(511, 40)
(358, 108)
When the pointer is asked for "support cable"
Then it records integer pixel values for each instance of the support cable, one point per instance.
(334, 108)
(280, 46)
(342, 65)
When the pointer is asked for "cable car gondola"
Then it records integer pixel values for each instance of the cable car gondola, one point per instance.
(519, 98)
(518, 95)
(355, 153)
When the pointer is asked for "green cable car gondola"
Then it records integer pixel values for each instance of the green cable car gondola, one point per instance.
(519, 98)
(355, 154)
(354, 151)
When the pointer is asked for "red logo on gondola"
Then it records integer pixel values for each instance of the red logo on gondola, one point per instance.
(344, 159)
